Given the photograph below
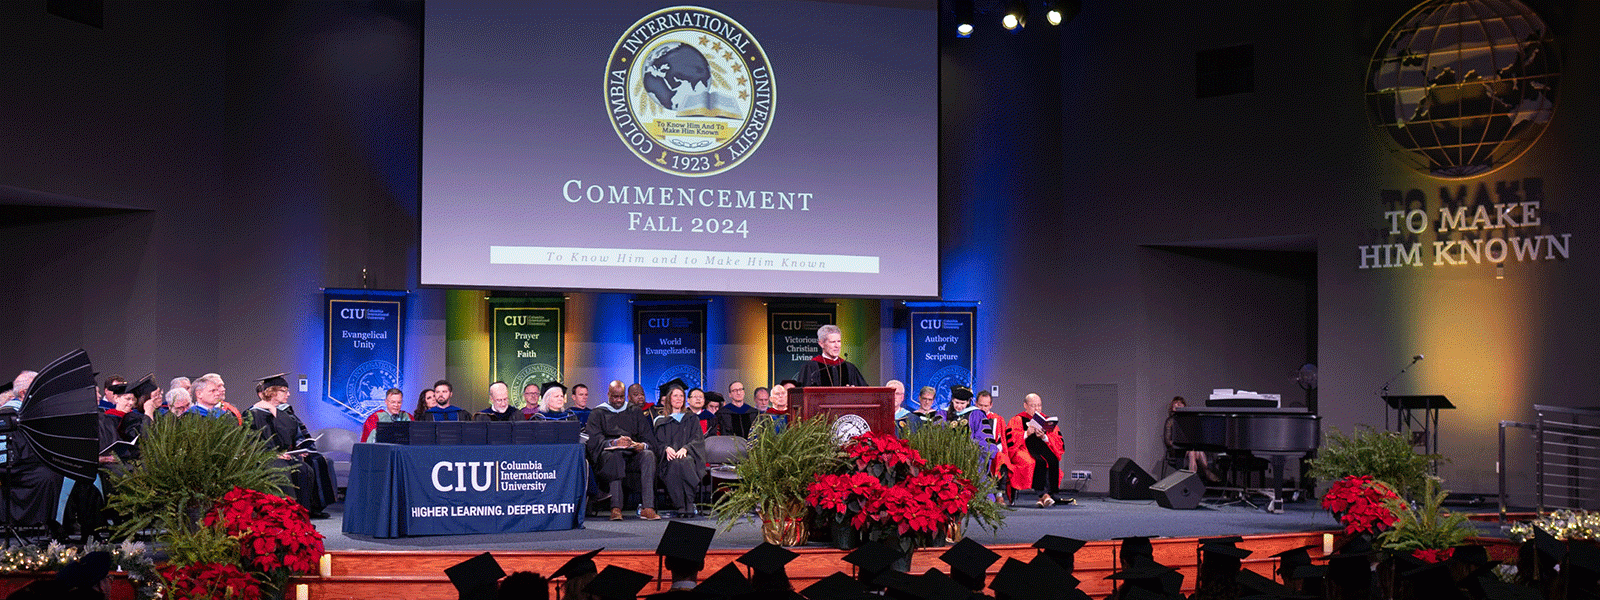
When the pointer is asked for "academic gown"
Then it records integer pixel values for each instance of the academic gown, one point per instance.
(446, 413)
(281, 431)
(382, 416)
(610, 466)
(819, 372)
(1021, 459)
(736, 420)
(500, 416)
(545, 415)
(681, 477)
(709, 424)
(913, 421)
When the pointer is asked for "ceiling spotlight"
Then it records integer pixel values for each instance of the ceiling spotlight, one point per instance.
(1061, 11)
(964, 18)
(1016, 16)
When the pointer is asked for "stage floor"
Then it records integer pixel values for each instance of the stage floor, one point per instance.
(1092, 518)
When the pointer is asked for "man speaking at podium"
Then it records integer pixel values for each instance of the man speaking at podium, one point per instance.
(828, 369)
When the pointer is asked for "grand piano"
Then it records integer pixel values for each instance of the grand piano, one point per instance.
(1274, 433)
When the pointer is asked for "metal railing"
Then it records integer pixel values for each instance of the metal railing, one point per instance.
(1566, 457)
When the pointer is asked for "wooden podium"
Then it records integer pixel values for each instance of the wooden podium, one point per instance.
(874, 405)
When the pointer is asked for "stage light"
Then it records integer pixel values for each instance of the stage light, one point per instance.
(1061, 11)
(964, 18)
(1016, 16)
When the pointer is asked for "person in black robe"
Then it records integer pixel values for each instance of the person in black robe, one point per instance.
(274, 419)
(682, 455)
(735, 417)
(552, 404)
(500, 404)
(619, 438)
(828, 369)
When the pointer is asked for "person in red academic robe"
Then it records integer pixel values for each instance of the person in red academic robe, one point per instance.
(1034, 446)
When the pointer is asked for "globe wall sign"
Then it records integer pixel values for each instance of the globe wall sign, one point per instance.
(689, 91)
(1461, 88)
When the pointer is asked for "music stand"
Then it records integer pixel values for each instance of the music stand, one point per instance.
(1405, 408)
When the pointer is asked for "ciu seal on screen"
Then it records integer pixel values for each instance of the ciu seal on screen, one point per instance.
(689, 90)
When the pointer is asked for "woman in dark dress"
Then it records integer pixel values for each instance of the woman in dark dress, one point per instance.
(681, 454)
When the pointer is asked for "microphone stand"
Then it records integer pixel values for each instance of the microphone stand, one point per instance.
(1384, 391)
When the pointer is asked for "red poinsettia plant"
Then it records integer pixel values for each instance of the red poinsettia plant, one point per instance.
(275, 533)
(890, 492)
(1432, 555)
(1362, 504)
(209, 581)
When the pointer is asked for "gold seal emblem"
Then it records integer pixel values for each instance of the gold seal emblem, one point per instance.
(689, 91)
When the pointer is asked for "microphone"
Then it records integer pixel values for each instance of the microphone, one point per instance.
(1416, 358)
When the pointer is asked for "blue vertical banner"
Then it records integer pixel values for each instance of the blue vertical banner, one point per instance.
(362, 348)
(792, 336)
(943, 350)
(669, 342)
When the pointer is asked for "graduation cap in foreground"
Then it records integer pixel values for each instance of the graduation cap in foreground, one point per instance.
(476, 578)
(727, 582)
(1432, 580)
(969, 562)
(767, 564)
(617, 583)
(1134, 549)
(1291, 558)
(1060, 549)
(578, 566)
(871, 559)
(838, 586)
(271, 381)
(684, 546)
(1222, 557)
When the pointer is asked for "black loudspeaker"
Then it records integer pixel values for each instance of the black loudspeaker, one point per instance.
(1129, 482)
(1181, 490)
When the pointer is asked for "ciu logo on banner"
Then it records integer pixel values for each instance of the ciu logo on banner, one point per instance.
(689, 91)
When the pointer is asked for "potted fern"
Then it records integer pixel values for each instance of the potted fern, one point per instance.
(774, 474)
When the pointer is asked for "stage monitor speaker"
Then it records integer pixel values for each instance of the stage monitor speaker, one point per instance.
(1180, 490)
(1129, 482)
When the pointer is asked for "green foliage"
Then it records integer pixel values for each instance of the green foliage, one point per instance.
(775, 471)
(186, 464)
(954, 446)
(1428, 528)
(1385, 455)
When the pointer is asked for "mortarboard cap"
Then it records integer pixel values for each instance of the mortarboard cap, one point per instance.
(838, 586)
(1136, 546)
(476, 578)
(271, 381)
(1223, 549)
(578, 566)
(873, 558)
(1047, 571)
(1061, 549)
(1432, 580)
(715, 397)
(523, 584)
(1356, 546)
(935, 585)
(677, 382)
(617, 583)
(143, 387)
(767, 558)
(87, 571)
(969, 562)
(1252, 583)
(789, 383)
(1548, 545)
(685, 542)
(727, 582)
(117, 388)
(549, 385)
(961, 392)
(7, 386)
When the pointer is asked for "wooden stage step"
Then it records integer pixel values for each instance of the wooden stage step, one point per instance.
(419, 575)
